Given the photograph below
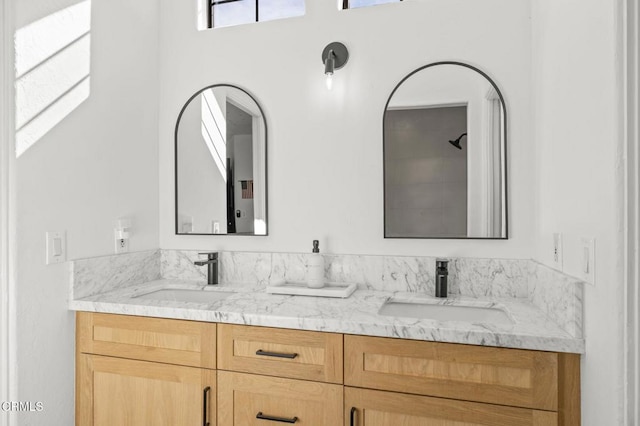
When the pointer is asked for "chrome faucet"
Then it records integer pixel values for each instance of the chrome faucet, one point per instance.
(212, 263)
(442, 271)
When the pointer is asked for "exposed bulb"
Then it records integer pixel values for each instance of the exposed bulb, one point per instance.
(329, 81)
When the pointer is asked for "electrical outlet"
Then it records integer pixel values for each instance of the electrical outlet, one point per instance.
(122, 245)
(556, 254)
(588, 260)
(121, 230)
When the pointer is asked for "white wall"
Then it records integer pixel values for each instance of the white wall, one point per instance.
(100, 162)
(579, 174)
(325, 147)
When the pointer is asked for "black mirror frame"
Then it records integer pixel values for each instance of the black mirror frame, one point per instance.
(266, 163)
(506, 158)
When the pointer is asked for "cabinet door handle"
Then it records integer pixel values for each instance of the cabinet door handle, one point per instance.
(205, 403)
(276, 419)
(275, 354)
(352, 416)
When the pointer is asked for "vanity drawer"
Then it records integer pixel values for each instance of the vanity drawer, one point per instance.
(514, 377)
(253, 400)
(168, 341)
(296, 354)
(380, 408)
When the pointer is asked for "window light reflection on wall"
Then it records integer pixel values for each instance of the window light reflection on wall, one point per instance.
(52, 71)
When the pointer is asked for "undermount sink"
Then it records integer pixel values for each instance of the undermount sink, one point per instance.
(186, 295)
(436, 312)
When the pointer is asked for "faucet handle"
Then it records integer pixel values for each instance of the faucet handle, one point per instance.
(210, 255)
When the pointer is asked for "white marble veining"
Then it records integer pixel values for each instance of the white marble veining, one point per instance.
(559, 296)
(251, 305)
(546, 298)
(384, 273)
(489, 277)
(473, 277)
(106, 273)
(258, 268)
(179, 265)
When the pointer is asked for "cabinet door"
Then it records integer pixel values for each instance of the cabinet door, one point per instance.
(252, 400)
(168, 341)
(365, 407)
(115, 391)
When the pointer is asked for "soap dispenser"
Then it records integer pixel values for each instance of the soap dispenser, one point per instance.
(315, 267)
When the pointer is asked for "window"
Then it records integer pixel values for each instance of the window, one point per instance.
(225, 13)
(353, 4)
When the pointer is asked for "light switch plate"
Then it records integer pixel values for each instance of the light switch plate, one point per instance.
(56, 247)
(588, 260)
(556, 251)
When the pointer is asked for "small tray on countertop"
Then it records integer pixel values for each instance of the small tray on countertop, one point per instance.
(342, 290)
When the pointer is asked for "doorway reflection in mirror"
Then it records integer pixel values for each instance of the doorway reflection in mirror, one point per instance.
(220, 159)
(445, 156)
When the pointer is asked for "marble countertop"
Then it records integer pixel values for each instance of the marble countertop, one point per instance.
(358, 314)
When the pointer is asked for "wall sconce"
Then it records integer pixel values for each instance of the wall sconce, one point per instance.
(334, 57)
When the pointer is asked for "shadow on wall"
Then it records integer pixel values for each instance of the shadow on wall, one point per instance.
(52, 71)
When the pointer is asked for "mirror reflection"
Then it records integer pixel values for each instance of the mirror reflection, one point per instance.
(444, 155)
(221, 142)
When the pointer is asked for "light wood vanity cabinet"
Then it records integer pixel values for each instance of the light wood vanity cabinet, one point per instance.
(250, 399)
(297, 354)
(136, 371)
(145, 371)
(168, 341)
(482, 385)
(365, 407)
(294, 376)
(117, 391)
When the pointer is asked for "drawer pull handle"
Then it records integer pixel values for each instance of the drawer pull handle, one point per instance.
(275, 354)
(352, 417)
(276, 419)
(205, 403)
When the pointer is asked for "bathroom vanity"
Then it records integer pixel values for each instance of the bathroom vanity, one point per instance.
(155, 345)
(137, 370)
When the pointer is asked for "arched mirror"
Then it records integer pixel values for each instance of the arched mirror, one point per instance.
(445, 135)
(221, 164)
